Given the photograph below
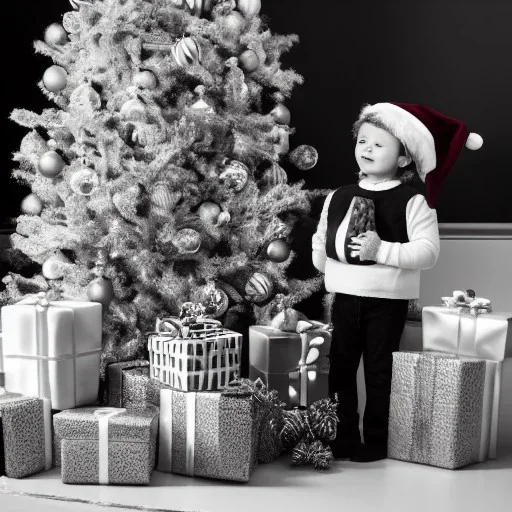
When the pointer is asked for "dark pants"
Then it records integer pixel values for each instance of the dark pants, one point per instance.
(371, 327)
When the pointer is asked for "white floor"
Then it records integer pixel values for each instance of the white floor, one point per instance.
(382, 486)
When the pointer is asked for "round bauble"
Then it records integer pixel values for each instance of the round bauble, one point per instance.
(249, 8)
(71, 22)
(188, 241)
(162, 197)
(195, 7)
(101, 290)
(186, 52)
(31, 205)
(84, 182)
(249, 60)
(274, 175)
(223, 218)
(233, 23)
(278, 251)
(134, 110)
(281, 137)
(281, 114)
(84, 97)
(55, 35)
(235, 175)
(216, 303)
(55, 78)
(259, 287)
(51, 164)
(54, 266)
(304, 157)
(145, 80)
(209, 212)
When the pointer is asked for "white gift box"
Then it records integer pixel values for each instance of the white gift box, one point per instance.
(52, 350)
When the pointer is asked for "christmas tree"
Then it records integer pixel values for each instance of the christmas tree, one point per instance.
(156, 176)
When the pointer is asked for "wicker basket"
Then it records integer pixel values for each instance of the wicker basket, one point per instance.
(207, 360)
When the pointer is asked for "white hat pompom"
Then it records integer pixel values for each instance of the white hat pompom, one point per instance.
(474, 141)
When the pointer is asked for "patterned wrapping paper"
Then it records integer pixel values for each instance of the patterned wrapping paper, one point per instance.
(208, 434)
(25, 435)
(131, 441)
(274, 357)
(130, 386)
(435, 414)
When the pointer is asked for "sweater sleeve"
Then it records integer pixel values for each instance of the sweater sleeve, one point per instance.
(422, 250)
(318, 241)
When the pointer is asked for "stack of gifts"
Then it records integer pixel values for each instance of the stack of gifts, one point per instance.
(292, 357)
(445, 401)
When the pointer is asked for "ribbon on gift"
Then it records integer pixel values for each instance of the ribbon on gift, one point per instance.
(103, 415)
(202, 327)
(477, 306)
(310, 353)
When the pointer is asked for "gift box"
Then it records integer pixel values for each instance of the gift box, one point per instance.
(130, 386)
(203, 357)
(25, 435)
(283, 361)
(52, 350)
(207, 434)
(104, 445)
(437, 409)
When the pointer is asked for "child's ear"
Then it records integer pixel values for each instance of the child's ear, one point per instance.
(404, 161)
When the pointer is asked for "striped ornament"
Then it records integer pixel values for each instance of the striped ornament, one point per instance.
(274, 175)
(195, 7)
(259, 287)
(162, 197)
(186, 52)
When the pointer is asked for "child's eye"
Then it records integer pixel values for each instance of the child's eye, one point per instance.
(361, 141)
(378, 145)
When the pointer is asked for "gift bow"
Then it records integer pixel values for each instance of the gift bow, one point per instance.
(38, 299)
(202, 326)
(476, 306)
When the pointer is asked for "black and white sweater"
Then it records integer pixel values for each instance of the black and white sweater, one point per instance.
(410, 241)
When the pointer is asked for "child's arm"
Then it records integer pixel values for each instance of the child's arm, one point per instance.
(422, 250)
(318, 241)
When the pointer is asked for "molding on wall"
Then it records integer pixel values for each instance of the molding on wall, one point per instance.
(475, 231)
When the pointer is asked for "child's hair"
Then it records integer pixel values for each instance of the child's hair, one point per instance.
(404, 174)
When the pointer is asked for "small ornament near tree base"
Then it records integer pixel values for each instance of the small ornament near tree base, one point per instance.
(281, 114)
(54, 267)
(84, 182)
(51, 164)
(31, 205)
(304, 157)
(278, 251)
(145, 80)
(101, 290)
(209, 212)
(235, 175)
(55, 78)
(188, 241)
(249, 60)
(259, 288)
(55, 35)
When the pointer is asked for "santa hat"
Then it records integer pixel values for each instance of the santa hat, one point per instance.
(434, 141)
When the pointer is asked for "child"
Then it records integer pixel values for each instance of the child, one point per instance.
(372, 240)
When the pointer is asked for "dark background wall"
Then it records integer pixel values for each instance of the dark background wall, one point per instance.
(451, 55)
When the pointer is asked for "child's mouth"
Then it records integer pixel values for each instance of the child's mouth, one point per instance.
(367, 159)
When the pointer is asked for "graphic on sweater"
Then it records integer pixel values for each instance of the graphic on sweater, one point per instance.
(362, 219)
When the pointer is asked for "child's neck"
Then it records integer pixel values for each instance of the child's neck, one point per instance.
(375, 179)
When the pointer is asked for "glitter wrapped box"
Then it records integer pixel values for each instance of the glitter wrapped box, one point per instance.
(130, 386)
(52, 350)
(208, 359)
(208, 434)
(25, 435)
(436, 405)
(276, 357)
(104, 445)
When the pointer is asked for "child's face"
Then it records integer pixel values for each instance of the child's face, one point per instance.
(377, 152)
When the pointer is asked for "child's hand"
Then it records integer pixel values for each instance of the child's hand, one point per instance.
(366, 246)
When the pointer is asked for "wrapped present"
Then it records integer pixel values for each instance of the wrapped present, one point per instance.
(130, 386)
(52, 350)
(208, 434)
(25, 435)
(436, 413)
(296, 364)
(195, 356)
(105, 445)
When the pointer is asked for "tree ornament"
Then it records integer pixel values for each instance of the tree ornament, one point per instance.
(162, 197)
(249, 60)
(195, 7)
(71, 22)
(134, 110)
(31, 205)
(281, 114)
(223, 218)
(278, 251)
(84, 182)
(54, 266)
(145, 80)
(235, 175)
(209, 212)
(101, 290)
(274, 175)
(186, 52)
(51, 164)
(259, 288)
(55, 78)
(233, 23)
(215, 301)
(84, 98)
(188, 241)
(304, 157)
(249, 8)
(281, 137)
(55, 35)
